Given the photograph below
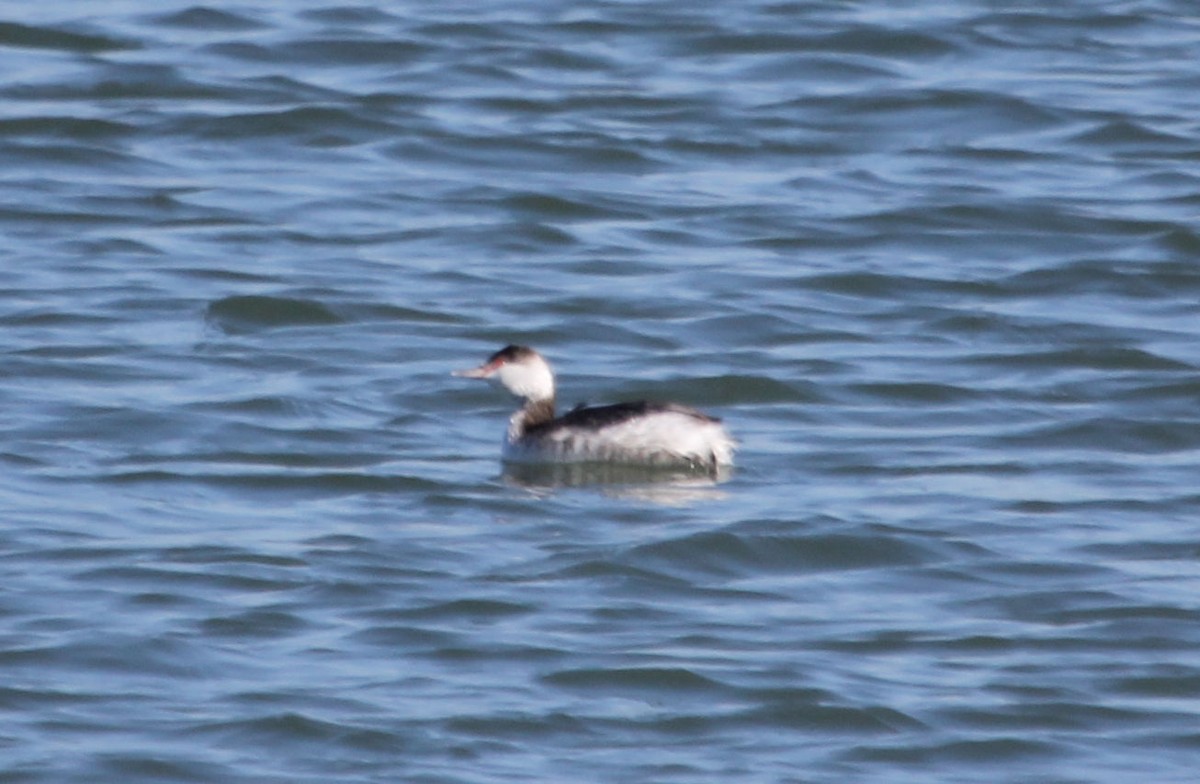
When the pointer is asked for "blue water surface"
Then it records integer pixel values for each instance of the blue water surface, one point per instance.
(935, 267)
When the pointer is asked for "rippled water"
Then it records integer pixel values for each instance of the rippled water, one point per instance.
(936, 267)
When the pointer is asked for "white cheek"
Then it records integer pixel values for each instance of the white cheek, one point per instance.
(526, 382)
(511, 379)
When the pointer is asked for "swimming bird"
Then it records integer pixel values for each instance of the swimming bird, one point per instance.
(635, 433)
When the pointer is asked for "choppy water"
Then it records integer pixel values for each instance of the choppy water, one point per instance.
(937, 267)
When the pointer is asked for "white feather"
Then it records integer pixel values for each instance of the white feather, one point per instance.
(658, 438)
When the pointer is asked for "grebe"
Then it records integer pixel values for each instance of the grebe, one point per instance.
(640, 433)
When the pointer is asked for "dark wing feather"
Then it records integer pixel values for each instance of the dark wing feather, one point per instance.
(597, 417)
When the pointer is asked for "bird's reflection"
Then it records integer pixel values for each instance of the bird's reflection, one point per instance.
(670, 486)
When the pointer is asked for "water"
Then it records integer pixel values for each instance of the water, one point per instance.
(936, 268)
